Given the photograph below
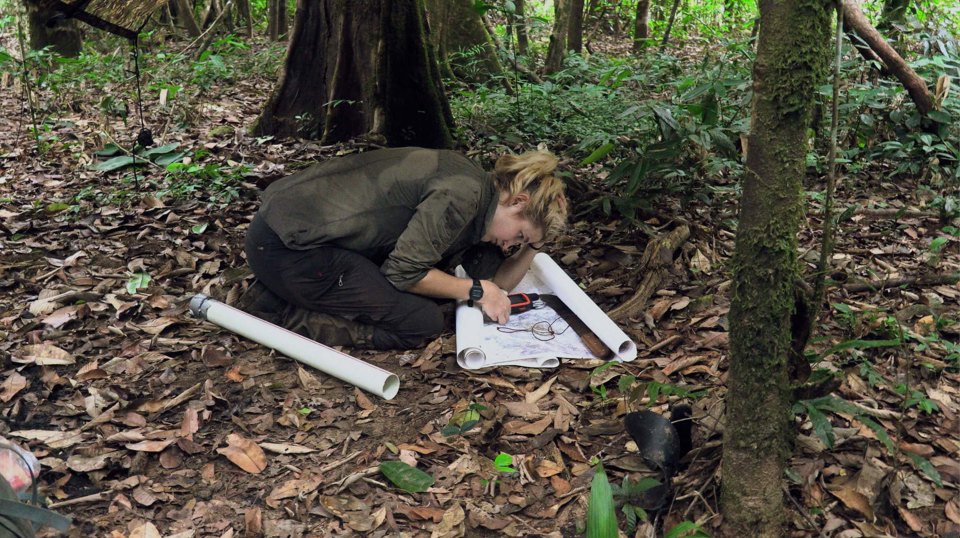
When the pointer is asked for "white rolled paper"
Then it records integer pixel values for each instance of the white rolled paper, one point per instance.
(482, 344)
(576, 300)
(366, 376)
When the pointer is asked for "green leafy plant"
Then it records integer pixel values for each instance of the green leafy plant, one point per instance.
(461, 423)
(601, 514)
(504, 463)
(824, 429)
(137, 281)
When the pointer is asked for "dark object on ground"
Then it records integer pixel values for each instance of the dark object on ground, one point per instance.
(662, 443)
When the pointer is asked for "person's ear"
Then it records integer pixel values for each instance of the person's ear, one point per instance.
(521, 199)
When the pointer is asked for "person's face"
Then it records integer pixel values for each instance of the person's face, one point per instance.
(510, 228)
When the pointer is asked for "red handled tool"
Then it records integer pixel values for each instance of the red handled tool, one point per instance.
(521, 302)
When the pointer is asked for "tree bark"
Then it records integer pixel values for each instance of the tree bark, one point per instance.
(792, 59)
(641, 25)
(558, 38)
(915, 86)
(575, 27)
(520, 23)
(673, 17)
(185, 18)
(456, 27)
(360, 68)
(276, 19)
(243, 13)
(63, 36)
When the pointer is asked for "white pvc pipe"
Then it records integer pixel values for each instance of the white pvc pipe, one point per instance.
(328, 360)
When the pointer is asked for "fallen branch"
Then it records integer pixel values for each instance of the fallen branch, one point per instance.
(94, 498)
(894, 213)
(913, 282)
(654, 264)
(915, 85)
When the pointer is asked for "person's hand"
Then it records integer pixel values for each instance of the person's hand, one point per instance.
(494, 303)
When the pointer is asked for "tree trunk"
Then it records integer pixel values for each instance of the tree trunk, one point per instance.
(558, 38)
(519, 21)
(243, 13)
(185, 17)
(916, 87)
(641, 25)
(792, 59)
(575, 27)
(277, 19)
(63, 37)
(359, 68)
(455, 28)
(673, 17)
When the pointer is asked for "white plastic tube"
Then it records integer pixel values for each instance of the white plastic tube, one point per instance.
(328, 360)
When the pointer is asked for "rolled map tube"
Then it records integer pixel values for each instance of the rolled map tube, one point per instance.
(328, 360)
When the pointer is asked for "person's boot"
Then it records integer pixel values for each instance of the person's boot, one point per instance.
(327, 329)
(259, 299)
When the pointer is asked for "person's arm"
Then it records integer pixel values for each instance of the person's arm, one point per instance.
(439, 284)
(513, 268)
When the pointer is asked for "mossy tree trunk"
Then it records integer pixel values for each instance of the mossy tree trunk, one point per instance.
(519, 22)
(63, 36)
(792, 56)
(641, 25)
(359, 68)
(463, 46)
(558, 38)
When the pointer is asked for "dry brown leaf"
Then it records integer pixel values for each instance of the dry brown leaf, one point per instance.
(150, 446)
(362, 401)
(244, 453)
(147, 530)
(286, 448)
(233, 374)
(53, 439)
(293, 488)
(253, 522)
(547, 468)
(522, 409)
(910, 519)
(560, 485)
(156, 326)
(952, 510)
(190, 423)
(62, 316)
(12, 385)
(42, 354)
(416, 448)
(917, 448)
(855, 500)
(85, 464)
(451, 524)
(534, 397)
(143, 496)
(524, 428)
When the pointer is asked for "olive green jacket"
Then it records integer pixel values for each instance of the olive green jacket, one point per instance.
(407, 209)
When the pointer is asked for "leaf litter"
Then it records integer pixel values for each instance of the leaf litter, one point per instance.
(150, 423)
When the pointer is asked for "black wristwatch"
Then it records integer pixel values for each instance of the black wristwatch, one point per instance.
(476, 292)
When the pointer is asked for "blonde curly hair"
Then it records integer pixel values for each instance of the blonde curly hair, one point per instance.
(532, 173)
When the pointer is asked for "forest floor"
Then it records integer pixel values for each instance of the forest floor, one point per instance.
(137, 411)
